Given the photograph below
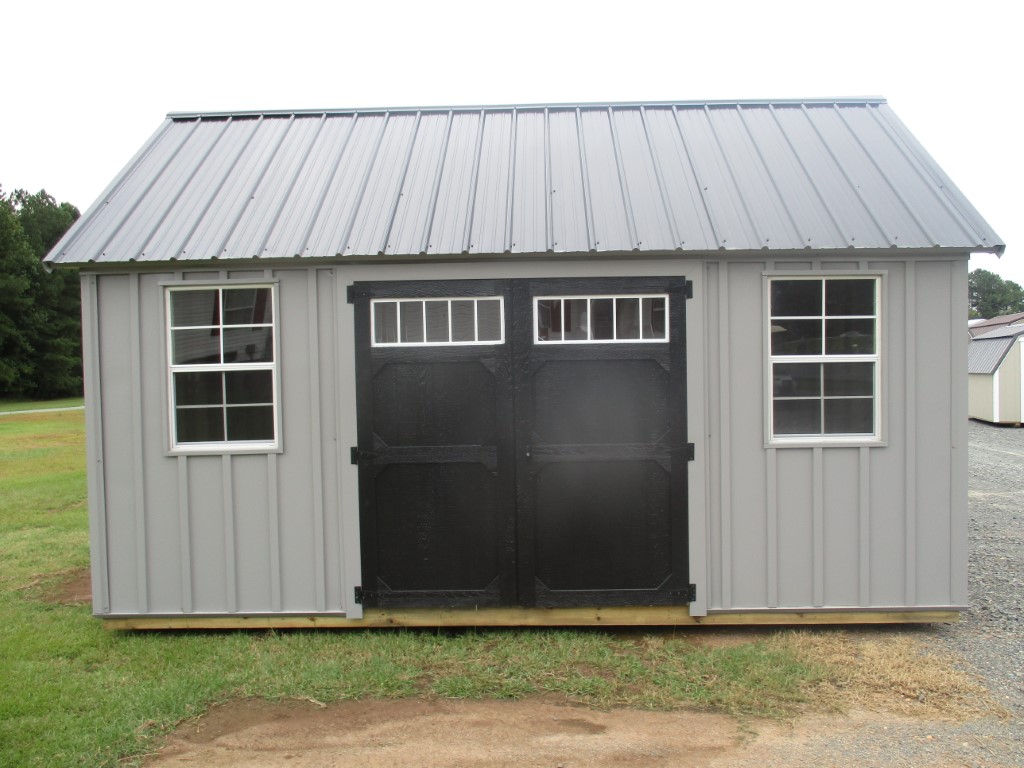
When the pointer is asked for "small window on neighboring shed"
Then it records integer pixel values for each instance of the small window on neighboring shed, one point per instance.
(223, 367)
(823, 348)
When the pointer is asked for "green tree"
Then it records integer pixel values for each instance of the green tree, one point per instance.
(40, 312)
(17, 263)
(989, 295)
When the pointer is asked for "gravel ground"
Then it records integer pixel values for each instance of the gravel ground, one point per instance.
(989, 637)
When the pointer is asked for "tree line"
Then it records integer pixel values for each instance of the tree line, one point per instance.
(989, 295)
(40, 311)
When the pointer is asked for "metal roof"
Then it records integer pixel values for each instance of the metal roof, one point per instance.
(984, 326)
(985, 353)
(695, 177)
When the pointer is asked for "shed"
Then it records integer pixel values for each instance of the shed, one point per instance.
(995, 368)
(656, 363)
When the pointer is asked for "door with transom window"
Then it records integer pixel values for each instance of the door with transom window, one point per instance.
(522, 442)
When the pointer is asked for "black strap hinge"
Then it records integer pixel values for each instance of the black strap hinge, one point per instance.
(357, 455)
(691, 452)
(688, 289)
(362, 596)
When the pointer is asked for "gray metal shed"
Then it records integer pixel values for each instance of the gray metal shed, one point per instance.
(654, 363)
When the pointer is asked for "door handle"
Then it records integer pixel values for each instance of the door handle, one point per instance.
(528, 452)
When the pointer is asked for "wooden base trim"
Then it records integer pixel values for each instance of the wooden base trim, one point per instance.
(531, 617)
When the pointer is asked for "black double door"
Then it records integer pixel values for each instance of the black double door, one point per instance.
(513, 471)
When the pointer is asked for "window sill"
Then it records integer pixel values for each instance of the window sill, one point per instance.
(826, 442)
(222, 449)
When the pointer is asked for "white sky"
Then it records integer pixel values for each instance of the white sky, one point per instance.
(86, 83)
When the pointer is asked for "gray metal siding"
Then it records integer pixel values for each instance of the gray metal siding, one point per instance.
(840, 526)
(696, 178)
(815, 527)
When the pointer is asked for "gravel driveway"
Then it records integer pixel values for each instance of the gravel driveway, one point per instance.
(989, 637)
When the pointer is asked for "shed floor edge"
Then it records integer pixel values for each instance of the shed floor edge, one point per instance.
(531, 617)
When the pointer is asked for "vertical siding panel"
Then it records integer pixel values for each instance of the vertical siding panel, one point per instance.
(772, 537)
(250, 491)
(724, 431)
(888, 476)
(958, 547)
(273, 530)
(184, 535)
(123, 555)
(138, 476)
(160, 489)
(747, 505)
(932, 523)
(841, 525)
(300, 564)
(796, 527)
(228, 511)
(316, 457)
(94, 445)
(818, 526)
(910, 436)
(713, 430)
(206, 530)
(329, 450)
(864, 527)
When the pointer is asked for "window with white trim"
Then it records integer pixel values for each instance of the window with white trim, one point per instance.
(600, 319)
(824, 356)
(437, 321)
(223, 366)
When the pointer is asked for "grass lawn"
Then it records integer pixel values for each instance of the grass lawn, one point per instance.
(72, 693)
(13, 406)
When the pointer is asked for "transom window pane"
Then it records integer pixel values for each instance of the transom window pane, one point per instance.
(600, 319)
(440, 321)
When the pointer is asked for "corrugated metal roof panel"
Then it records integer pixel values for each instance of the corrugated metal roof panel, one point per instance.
(984, 355)
(649, 178)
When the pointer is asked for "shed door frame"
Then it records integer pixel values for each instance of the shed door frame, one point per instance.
(513, 459)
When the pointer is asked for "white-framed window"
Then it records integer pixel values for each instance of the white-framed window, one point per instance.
(824, 335)
(600, 319)
(426, 322)
(222, 370)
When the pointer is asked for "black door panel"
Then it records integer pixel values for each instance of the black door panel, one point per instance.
(523, 473)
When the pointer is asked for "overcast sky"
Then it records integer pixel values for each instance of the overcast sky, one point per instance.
(86, 83)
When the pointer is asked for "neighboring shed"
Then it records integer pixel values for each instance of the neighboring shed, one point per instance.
(995, 370)
(980, 327)
(557, 364)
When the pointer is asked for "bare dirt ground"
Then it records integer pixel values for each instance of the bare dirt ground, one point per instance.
(548, 734)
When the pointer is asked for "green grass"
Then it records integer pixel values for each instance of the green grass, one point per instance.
(13, 406)
(74, 694)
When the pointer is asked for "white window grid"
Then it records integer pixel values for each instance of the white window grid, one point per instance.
(589, 298)
(221, 367)
(817, 359)
(423, 311)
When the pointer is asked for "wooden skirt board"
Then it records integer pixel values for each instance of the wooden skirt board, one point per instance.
(522, 466)
(655, 616)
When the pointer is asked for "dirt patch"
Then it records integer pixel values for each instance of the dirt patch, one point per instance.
(419, 732)
(553, 734)
(72, 587)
